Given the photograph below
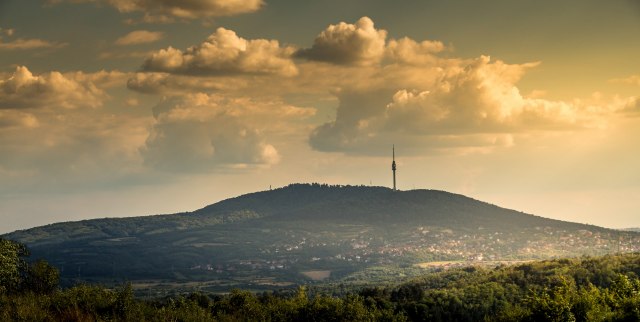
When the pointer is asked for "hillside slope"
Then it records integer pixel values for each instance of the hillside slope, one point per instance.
(276, 237)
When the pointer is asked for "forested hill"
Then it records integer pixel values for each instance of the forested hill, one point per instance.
(381, 205)
(311, 232)
(311, 202)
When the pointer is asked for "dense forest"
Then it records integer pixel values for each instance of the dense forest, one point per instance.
(604, 288)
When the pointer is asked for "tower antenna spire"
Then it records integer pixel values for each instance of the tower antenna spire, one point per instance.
(393, 166)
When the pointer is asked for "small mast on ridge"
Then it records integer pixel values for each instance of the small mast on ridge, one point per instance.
(393, 166)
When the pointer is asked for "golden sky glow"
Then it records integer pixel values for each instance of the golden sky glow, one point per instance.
(120, 108)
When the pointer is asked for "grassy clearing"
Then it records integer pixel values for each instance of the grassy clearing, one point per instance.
(317, 275)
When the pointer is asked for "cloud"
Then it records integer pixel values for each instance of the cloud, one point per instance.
(23, 90)
(409, 51)
(14, 118)
(46, 143)
(460, 104)
(52, 133)
(225, 53)
(60, 149)
(164, 83)
(201, 132)
(101, 79)
(26, 44)
(348, 44)
(631, 107)
(401, 90)
(139, 37)
(187, 9)
(125, 55)
(631, 80)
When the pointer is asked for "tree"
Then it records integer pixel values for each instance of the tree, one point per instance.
(12, 265)
(42, 278)
(552, 306)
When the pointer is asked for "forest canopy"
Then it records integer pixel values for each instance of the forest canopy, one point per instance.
(604, 288)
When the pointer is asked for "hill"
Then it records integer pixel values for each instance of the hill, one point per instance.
(306, 232)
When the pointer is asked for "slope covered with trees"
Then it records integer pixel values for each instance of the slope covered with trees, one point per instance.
(603, 288)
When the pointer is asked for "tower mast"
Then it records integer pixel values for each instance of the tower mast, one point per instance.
(393, 167)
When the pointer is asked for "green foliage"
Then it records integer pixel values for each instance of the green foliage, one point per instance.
(624, 297)
(580, 289)
(42, 278)
(552, 306)
(12, 265)
(549, 291)
(605, 288)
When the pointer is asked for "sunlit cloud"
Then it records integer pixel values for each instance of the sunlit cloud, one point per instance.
(348, 44)
(17, 119)
(409, 51)
(23, 89)
(631, 80)
(69, 149)
(107, 55)
(631, 107)
(139, 37)
(24, 43)
(165, 83)
(225, 53)
(400, 90)
(201, 132)
(102, 79)
(187, 9)
(54, 131)
(426, 102)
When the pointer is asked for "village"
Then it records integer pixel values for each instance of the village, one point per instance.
(425, 247)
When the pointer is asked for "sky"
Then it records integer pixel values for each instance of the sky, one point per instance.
(115, 108)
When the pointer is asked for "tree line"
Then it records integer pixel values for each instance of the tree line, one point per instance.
(603, 288)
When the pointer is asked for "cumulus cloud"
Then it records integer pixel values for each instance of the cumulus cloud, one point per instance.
(101, 79)
(22, 89)
(139, 37)
(48, 139)
(164, 83)
(631, 107)
(188, 9)
(348, 44)
(397, 90)
(470, 104)
(67, 148)
(201, 132)
(52, 133)
(225, 53)
(409, 51)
